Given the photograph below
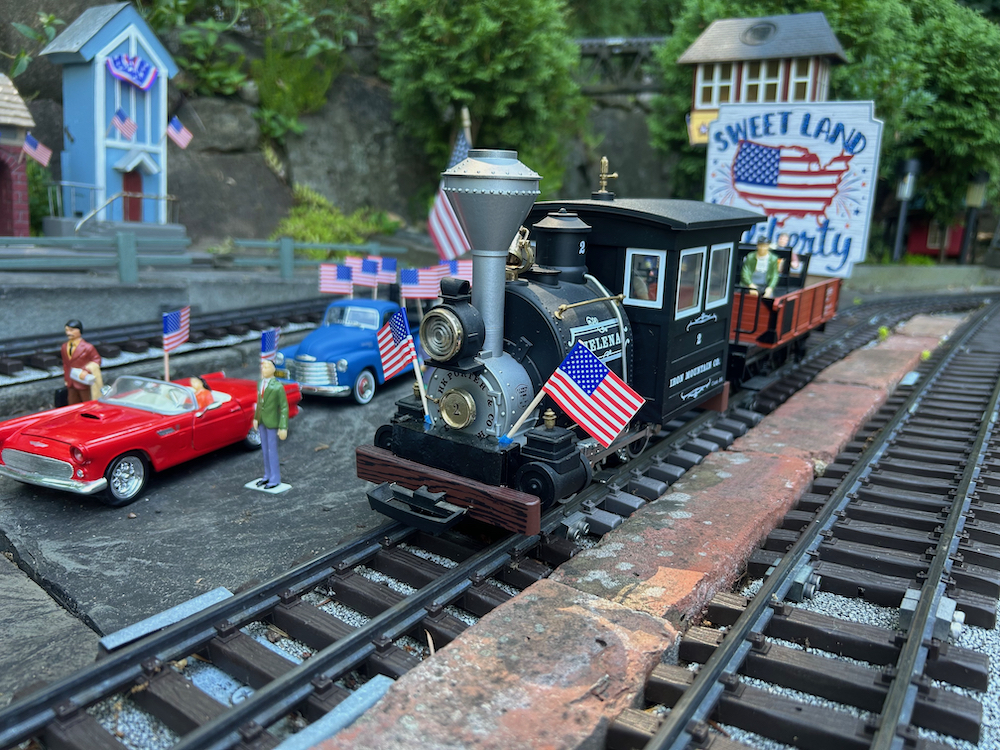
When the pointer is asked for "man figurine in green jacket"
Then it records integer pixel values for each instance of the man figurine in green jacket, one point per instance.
(760, 269)
(271, 419)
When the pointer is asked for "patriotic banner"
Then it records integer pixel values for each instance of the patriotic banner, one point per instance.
(269, 343)
(442, 224)
(592, 396)
(178, 133)
(134, 70)
(460, 269)
(365, 271)
(36, 150)
(334, 279)
(386, 269)
(421, 283)
(811, 169)
(124, 124)
(395, 345)
(175, 328)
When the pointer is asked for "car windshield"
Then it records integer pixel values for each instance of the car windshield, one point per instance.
(156, 396)
(355, 317)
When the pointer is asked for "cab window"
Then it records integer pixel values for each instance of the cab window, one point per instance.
(719, 267)
(690, 273)
(644, 271)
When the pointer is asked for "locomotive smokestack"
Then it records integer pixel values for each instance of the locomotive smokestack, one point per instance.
(491, 192)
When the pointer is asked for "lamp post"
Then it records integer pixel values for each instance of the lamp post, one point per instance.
(975, 198)
(904, 192)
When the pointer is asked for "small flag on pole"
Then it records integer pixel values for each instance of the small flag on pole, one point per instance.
(421, 283)
(335, 279)
(178, 133)
(395, 345)
(442, 225)
(269, 343)
(460, 269)
(386, 270)
(36, 150)
(592, 396)
(365, 271)
(175, 328)
(124, 124)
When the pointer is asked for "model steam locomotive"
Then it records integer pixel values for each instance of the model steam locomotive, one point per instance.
(646, 285)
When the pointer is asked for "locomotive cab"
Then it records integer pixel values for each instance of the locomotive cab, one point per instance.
(675, 262)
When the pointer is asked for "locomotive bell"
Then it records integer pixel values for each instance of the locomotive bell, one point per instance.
(561, 244)
(491, 192)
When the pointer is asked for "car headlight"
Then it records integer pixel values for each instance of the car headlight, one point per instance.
(279, 359)
(341, 365)
(79, 455)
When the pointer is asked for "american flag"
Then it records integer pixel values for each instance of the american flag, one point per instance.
(421, 283)
(591, 395)
(395, 345)
(269, 343)
(178, 133)
(125, 124)
(335, 279)
(787, 180)
(460, 269)
(175, 328)
(365, 270)
(442, 225)
(386, 269)
(36, 150)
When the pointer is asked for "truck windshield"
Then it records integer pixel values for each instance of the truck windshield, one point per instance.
(356, 317)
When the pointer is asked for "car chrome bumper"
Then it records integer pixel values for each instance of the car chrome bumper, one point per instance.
(67, 485)
(325, 390)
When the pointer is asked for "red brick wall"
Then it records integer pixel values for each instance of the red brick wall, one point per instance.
(14, 209)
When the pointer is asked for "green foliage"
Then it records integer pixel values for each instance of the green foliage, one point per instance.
(878, 38)
(510, 61)
(289, 85)
(314, 219)
(589, 20)
(989, 8)
(932, 67)
(38, 197)
(37, 37)
(211, 65)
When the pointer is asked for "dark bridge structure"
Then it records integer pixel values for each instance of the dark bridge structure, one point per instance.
(618, 65)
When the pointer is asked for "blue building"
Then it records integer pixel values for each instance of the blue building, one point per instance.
(112, 64)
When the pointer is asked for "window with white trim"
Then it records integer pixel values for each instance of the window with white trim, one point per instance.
(720, 264)
(644, 271)
(822, 81)
(761, 81)
(690, 275)
(800, 81)
(714, 84)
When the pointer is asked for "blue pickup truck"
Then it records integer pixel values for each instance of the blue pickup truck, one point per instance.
(341, 357)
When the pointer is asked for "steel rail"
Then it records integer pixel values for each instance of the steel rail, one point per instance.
(699, 699)
(24, 718)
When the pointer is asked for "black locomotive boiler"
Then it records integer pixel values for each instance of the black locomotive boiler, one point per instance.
(646, 285)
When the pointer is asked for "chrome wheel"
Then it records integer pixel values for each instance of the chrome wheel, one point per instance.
(364, 387)
(126, 477)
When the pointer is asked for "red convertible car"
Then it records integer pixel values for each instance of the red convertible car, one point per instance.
(142, 425)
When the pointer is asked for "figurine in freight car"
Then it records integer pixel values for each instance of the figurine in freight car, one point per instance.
(271, 420)
(760, 269)
(81, 366)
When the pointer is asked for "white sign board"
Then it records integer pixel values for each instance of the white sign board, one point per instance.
(811, 168)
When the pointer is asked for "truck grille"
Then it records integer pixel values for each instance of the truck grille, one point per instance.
(46, 467)
(312, 373)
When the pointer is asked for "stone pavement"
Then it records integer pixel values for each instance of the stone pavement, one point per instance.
(555, 665)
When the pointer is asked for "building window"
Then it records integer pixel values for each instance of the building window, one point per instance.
(689, 281)
(644, 271)
(762, 81)
(720, 264)
(822, 81)
(714, 85)
(800, 85)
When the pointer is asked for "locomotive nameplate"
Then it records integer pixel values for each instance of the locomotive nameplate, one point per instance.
(602, 337)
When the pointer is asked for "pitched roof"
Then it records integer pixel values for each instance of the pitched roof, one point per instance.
(13, 110)
(765, 38)
(83, 29)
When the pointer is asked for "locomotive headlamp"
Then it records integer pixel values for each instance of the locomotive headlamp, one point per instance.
(441, 334)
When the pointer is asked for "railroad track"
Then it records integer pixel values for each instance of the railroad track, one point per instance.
(907, 520)
(289, 651)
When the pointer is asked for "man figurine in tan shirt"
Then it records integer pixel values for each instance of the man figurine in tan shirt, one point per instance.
(81, 366)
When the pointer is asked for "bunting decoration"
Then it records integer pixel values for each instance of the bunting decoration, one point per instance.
(133, 70)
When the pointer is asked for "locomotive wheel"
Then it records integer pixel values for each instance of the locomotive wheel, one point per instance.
(536, 479)
(383, 437)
